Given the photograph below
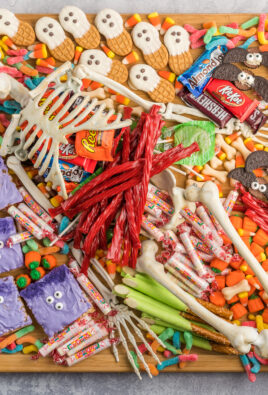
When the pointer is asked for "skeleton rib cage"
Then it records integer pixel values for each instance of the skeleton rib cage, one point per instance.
(57, 109)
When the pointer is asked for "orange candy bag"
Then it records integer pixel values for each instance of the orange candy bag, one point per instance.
(95, 144)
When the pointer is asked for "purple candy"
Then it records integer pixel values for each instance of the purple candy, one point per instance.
(10, 258)
(12, 313)
(8, 190)
(56, 300)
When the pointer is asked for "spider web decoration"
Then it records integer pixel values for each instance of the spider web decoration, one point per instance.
(58, 109)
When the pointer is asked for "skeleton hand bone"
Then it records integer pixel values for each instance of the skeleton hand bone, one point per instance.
(9, 86)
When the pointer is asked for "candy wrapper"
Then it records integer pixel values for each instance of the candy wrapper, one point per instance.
(199, 74)
(70, 172)
(94, 144)
(10, 258)
(203, 132)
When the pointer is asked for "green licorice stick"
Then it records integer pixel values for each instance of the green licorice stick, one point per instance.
(152, 288)
(188, 337)
(227, 29)
(171, 348)
(197, 341)
(153, 307)
(251, 22)
(97, 172)
(167, 334)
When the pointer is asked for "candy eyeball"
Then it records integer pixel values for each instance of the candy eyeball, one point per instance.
(255, 185)
(58, 295)
(50, 299)
(242, 77)
(250, 56)
(109, 23)
(262, 188)
(58, 306)
(258, 57)
(144, 77)
(250, 79)
(1, 299)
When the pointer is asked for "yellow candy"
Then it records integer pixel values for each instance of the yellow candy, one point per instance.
(259, 323)
(243, 268)
(29, 349)
(251, 317)
(160, 349)
(243, 295)
(236, 322)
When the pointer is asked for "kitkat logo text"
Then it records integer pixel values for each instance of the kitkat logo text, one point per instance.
(229, 95)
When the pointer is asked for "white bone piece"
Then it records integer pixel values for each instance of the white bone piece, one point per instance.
(239, 145)
(209, 196)
(229, 165)
(10, 86)
(230, 151)
(9, 136)
(220, 175)
(230, 292)
(109, 103)
(167, 181)
(241, 337)
(97, 93)
(50, 128)
(215, 162)
(15, 165)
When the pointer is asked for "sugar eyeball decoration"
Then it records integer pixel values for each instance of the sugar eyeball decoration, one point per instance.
(50, 32)
(110, 24)
(177, 42)
(146, 38)
(75, 22)
(145, 78)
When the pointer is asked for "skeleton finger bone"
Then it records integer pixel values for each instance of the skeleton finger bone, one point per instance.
(240, 337)
(240, 146)
(10, 86)
(220, 175)
(230, 151)
(230, 292)
(215, 162)
(209, 196)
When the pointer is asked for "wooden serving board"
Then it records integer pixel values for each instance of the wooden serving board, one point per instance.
(104, 361)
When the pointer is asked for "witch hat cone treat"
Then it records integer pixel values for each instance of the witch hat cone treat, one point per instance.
(177, 42)
(75, 21)
(146, 38)
(50, 32)
(110, 24)
(97, 61)
(145, 78)
(20, 32)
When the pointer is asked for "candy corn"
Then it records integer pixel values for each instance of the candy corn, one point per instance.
(3, 45)
(132, 57)
(51, 61)
(155, 20)
(40, 52)
(167, 75)
(168, 22)
(249, 144)
(229, 139)
(261, 238)
(44, 63)
(221, 155)
(178, 86)
(133, 20)
(34, 47)
(244, 232)
(94, 85)
(121, 99)
(239, 161)
(78, 51)
(259, 172)
(107, 50)
(9, 42)
(1, 54)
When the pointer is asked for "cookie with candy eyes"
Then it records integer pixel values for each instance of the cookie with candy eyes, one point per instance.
(75, 21)
(146, 38)
(145, 78)
(21, 33)
(251, 57)
(177, 42)
(243, 79)
(97, 61)
(50, 32)
(110, 24)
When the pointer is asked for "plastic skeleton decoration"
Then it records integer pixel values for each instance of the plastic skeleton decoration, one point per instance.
(251, 57)
(243, 79)
(240, 337)
(121, 318)
(257, 186)
(46, 121)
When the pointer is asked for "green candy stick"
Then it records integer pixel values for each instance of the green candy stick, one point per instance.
(152, 288)
(97, 172)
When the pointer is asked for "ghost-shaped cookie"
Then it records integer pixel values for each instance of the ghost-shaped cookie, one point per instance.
(177, 42)
(21, 33)
(75, 21)
(146, 38)
(145, 78)
(50, 32)
(110, 24)
(96, 60)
